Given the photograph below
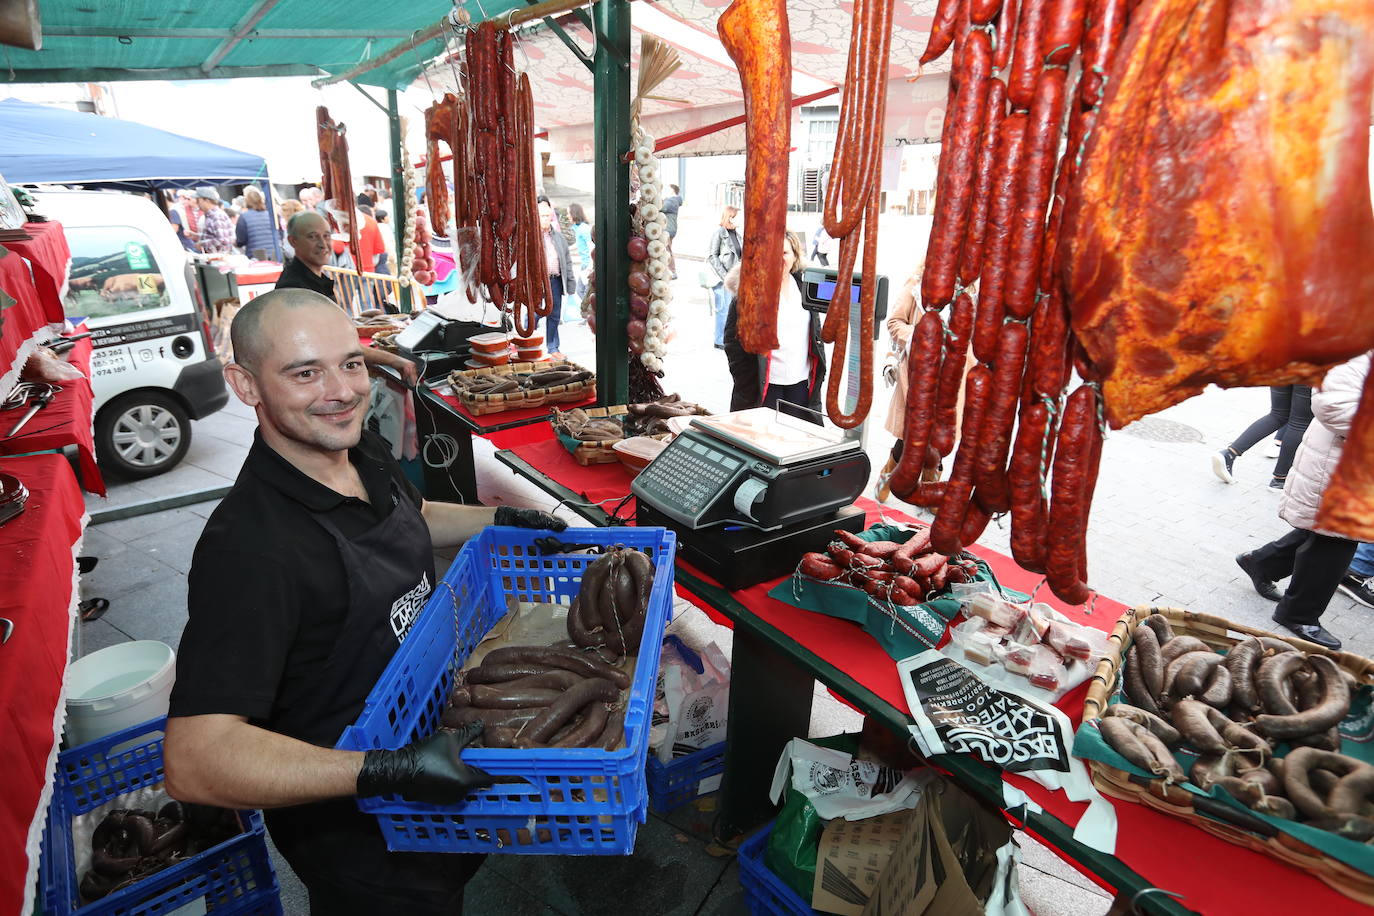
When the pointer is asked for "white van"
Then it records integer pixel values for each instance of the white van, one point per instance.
(154, 367)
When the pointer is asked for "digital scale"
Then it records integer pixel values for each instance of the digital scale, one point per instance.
(439, 344)
(749, 492)
(819, 285)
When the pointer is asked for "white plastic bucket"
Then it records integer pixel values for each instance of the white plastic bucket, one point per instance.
(116, 687)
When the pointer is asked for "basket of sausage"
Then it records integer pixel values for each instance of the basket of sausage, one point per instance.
(591, 434)
(1260, 740)
(493, 389)
(564, 724)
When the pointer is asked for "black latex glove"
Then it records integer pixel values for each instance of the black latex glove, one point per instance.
(426, 771)
(528, 518)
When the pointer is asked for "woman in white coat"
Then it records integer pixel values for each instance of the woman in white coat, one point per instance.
(1316, 560)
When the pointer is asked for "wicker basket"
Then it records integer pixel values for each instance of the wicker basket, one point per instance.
(479, 404)
(1218, 633)
(600, 452)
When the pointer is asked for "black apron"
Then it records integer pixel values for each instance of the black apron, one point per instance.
(338, 851)
(390, 570)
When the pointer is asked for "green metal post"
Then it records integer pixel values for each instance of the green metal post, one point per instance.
(400, 194)
(611, 80)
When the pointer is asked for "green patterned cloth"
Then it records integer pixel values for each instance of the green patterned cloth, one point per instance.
(902, 631)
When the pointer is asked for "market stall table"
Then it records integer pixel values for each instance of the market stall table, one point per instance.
(37, 563)
(443, 414)
(779, 650)
(66, 420)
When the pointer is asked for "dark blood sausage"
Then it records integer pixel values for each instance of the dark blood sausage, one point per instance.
(569, 704)
(1005, 36)
(990, 471)
(952, 374)
(923, 375)
(1026, 61)
(589, 729)
(1102, 36)
(1034, 437)
(1011, 137)
(1063, 31)
(576, 662)
(942, 29)
(1033, 193)
(504, 696)
(1068, 507)
(946, 532)
(971, 257)
(496, 674)
(956, 171)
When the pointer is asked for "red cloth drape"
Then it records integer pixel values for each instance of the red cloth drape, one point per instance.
(47, 251)
(36, 564)
(23, 319)
(65, 421)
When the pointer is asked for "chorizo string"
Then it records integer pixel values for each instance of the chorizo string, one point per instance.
(1001, 192)
(851, 202)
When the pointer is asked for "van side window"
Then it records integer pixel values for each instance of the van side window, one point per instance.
(114, 272)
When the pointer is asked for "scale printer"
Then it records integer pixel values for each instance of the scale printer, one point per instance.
(749, 492)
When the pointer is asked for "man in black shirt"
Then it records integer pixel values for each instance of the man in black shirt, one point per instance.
(308, 233)
(307, 577)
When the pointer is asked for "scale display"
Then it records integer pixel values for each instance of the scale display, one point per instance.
(819, 285)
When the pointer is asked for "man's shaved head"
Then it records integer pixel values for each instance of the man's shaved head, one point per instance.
(250, 332)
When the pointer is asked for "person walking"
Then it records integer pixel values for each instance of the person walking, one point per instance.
(582, 244)
(821, 243)
(558, 262)
(671, 204)
(1317, 561)
(723, 254)
(794, 372)
(1290, 412)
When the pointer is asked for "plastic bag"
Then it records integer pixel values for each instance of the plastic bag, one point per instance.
(693, 700)
(791, 852)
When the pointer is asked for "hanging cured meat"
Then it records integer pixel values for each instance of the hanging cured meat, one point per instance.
(337, 179)
(441, 123)
(1220, 230)
(755, 34)
(851, 199)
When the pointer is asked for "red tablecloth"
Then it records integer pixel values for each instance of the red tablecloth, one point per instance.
(1162, 849)
(36, 563)
(520, 435)
(65, 421)
(21, 321)
(488, 420)
(47, 251)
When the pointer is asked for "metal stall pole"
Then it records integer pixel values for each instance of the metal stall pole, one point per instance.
(399, 193)
(611, 80)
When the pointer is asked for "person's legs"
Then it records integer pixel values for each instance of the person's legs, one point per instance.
(1274, 561)
(551, 322)
(1280, 399)
(1299, 418)
(1363, 564)
(792, 394)
(722, 309)
(672, 261)
(1318, 566)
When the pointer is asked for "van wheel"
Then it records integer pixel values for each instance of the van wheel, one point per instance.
(142, 434)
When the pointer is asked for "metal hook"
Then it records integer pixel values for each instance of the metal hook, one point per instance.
(1135, 900)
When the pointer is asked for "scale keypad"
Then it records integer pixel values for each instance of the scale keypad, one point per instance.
(690, 476)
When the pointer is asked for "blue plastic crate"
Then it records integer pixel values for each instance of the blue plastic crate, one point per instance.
(679, 781)
(576, 801)
(764, 892)
(235, 877)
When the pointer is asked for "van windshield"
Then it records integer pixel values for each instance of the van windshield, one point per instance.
(113, 273)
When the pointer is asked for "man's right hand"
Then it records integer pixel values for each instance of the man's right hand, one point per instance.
(430, 770)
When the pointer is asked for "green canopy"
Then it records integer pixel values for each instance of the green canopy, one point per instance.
(97, 40)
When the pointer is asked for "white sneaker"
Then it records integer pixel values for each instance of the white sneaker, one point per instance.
(1221, 465)
(1272, 449)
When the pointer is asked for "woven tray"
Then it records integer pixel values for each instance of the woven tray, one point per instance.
(600, 452)
(480, 404)
(1218, 633)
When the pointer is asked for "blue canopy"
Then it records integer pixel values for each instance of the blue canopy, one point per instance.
(54, 145)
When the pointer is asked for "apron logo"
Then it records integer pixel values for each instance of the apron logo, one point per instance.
(408, 606)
